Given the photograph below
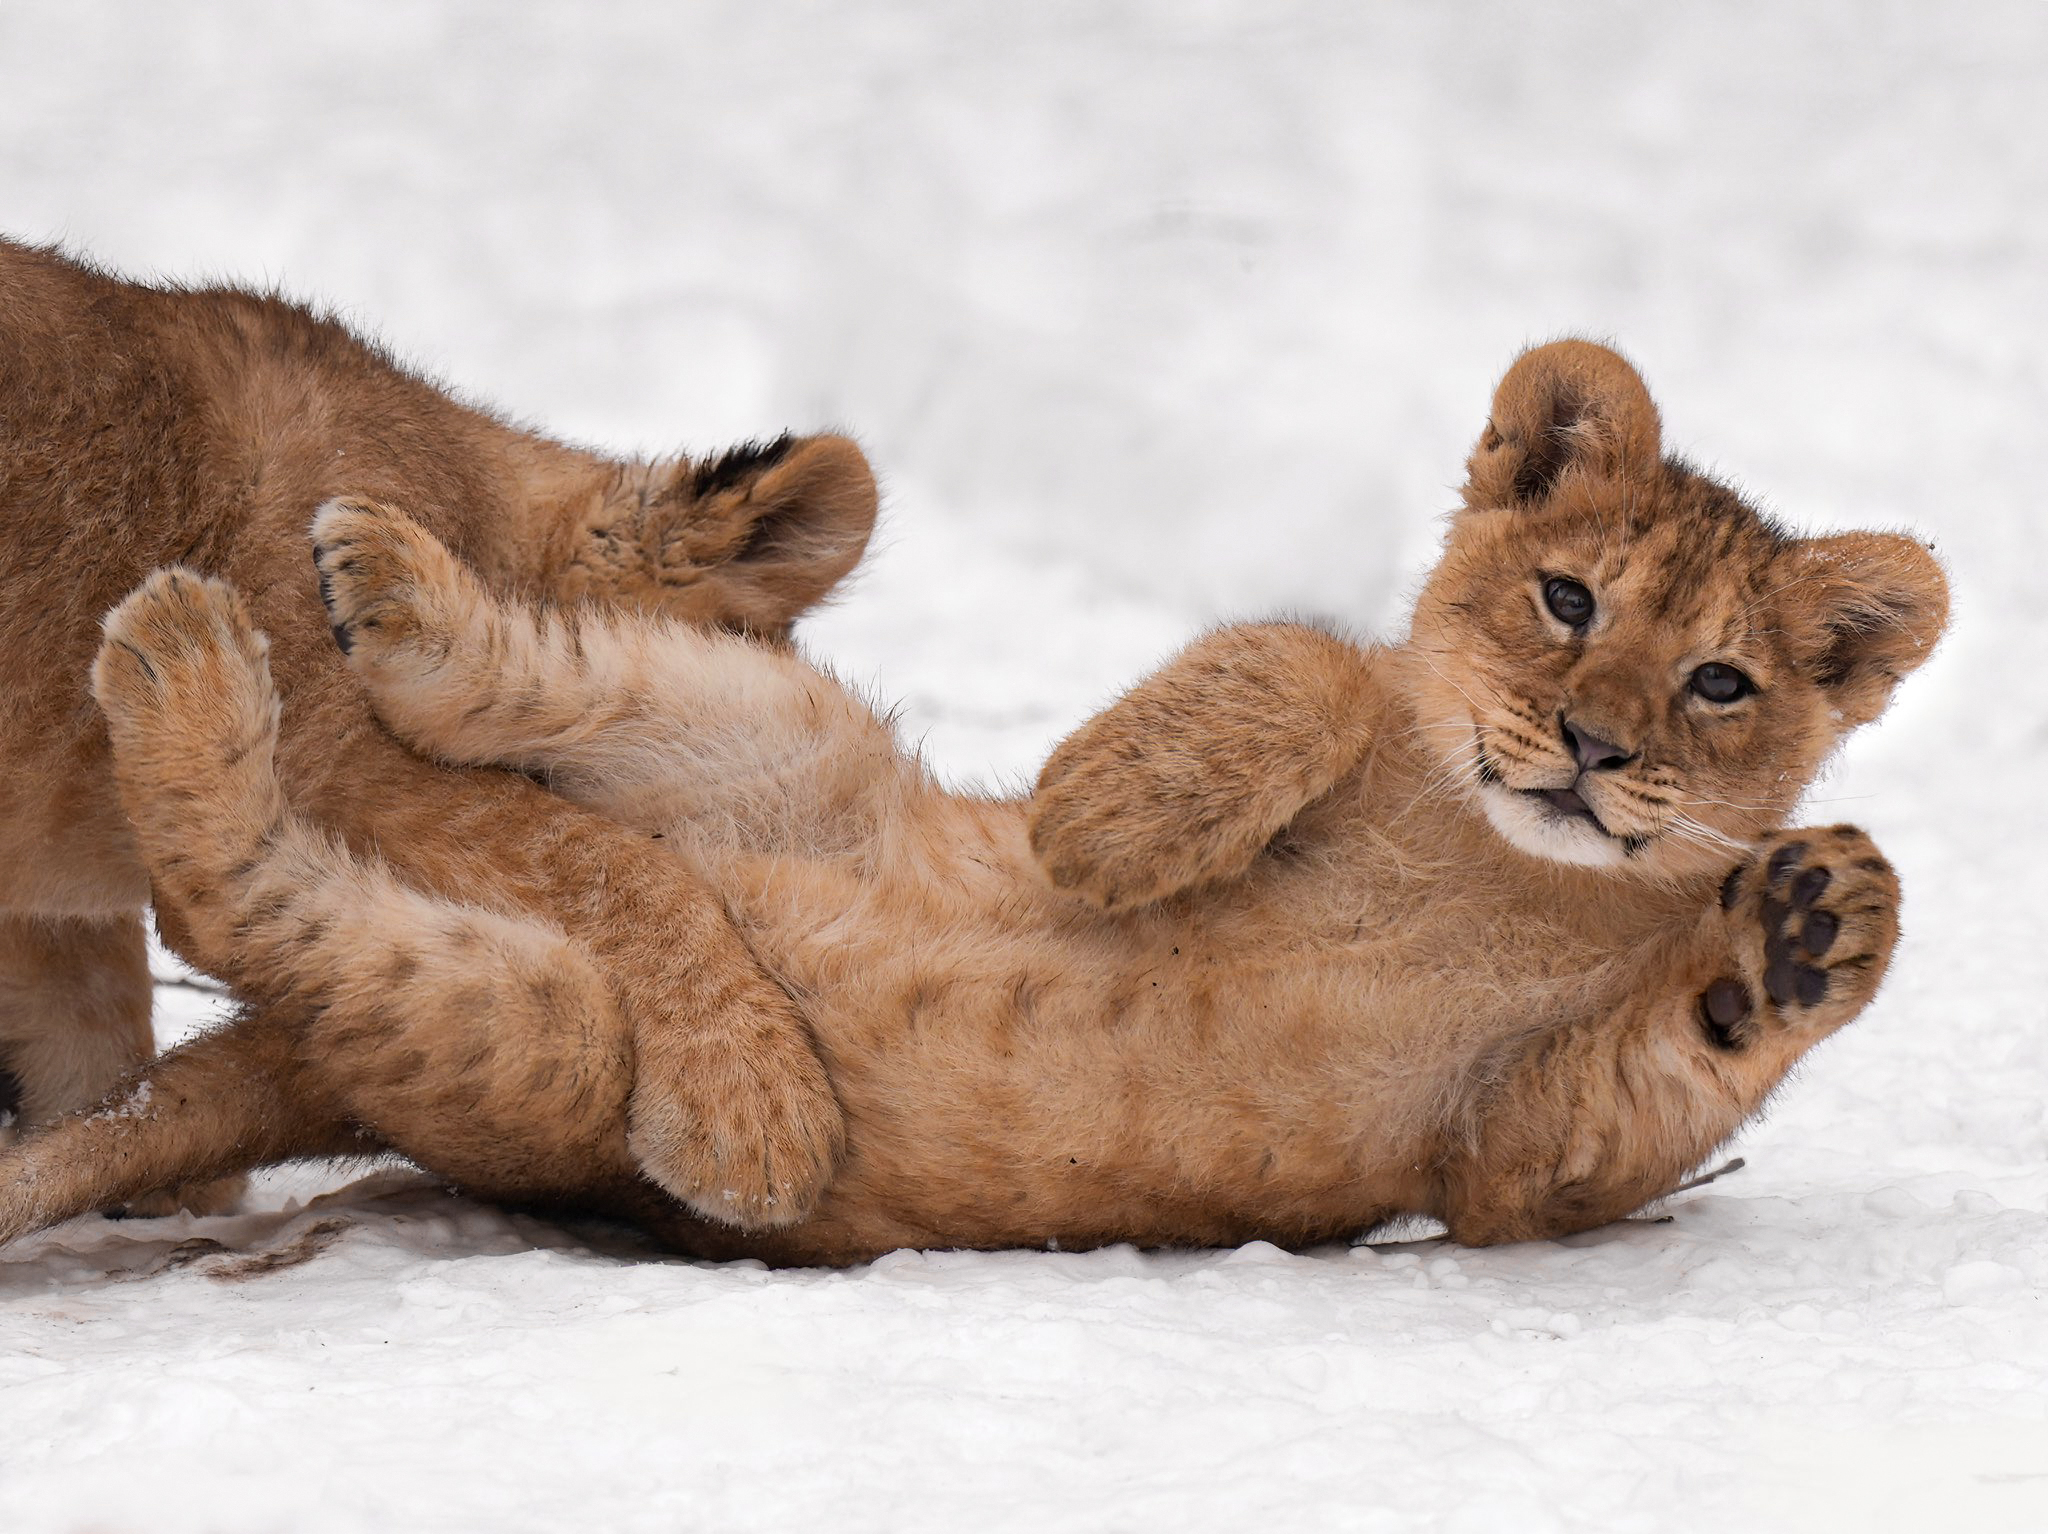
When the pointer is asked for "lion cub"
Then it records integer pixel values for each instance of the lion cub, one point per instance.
(142, 426)
(1496, 924)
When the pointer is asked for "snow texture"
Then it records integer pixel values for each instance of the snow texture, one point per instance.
(1152, 314)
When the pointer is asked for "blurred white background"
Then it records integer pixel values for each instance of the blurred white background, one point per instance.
(1208, 298)
(1150, 314)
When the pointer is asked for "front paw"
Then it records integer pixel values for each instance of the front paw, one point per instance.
(1812, 918)
(1102, 848)
(389, 585)
(1108, 823)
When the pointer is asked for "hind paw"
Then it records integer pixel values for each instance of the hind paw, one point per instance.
(739, 1124)
(183, 676)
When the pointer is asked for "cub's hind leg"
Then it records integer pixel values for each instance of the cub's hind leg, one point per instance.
(483, 1045)
(731, 1112)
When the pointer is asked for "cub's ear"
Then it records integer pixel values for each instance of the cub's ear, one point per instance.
(1864, 609)
(791, 517)
(1568, 407)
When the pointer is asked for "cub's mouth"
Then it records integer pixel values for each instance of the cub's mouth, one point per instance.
(1556, 824)
(1566, 804)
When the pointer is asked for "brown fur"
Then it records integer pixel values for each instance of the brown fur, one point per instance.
(141, 427)
(1280, 948)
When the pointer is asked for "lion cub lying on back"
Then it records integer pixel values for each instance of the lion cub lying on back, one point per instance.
(1496, 924)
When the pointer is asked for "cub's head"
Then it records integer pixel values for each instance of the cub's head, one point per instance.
(1629, 664)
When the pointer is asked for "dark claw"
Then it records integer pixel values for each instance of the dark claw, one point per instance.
(1731, 887)
(1809, 887)
(1812, 986)
(141, 660)
(342, 637)
(1783, 859)
(1818, 935)
(1774, 912)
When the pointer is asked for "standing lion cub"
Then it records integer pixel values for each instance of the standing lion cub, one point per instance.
(145, 426)
(1497, 924)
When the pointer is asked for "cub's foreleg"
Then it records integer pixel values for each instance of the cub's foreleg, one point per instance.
(481, 1044)
(74, 1009)
(1586, 1123)
(658, 725)
(1186, 777)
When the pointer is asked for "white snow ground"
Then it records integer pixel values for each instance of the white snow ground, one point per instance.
(1152, 314)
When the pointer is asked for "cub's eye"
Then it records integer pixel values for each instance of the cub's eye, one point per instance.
(1568, 601)
(1721, 684)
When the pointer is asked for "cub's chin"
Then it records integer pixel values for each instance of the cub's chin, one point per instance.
(1539, 824)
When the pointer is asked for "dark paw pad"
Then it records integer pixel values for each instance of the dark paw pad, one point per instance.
(1783, 861)
(1817, 935)
(1790, 944)
(1786, 981)
(1725, 1006)
(1809, 887)
(1799, 931)
(1826, 907)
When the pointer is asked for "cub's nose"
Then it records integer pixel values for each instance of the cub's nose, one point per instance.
(1593, 753)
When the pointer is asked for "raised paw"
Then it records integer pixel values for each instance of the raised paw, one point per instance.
(388, 584)
(1109, 862)
(183, 678)
(1108, 822)
(1812, 918)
